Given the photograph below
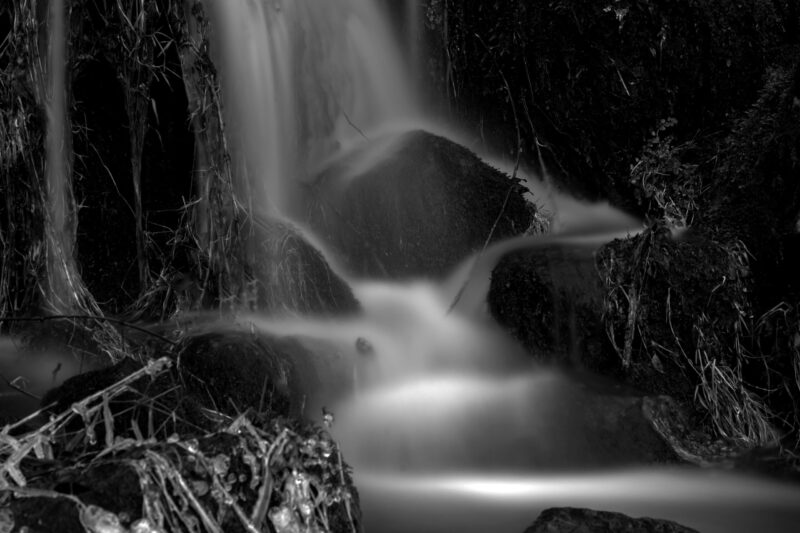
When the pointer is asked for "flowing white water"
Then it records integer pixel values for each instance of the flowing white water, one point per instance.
(301, 80)
(450, 428)
(447, 425)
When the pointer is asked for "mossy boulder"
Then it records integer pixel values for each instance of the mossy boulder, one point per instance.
(412, 205)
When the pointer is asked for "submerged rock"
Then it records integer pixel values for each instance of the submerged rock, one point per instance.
(413, 205)
(575, 520)
(282, 375)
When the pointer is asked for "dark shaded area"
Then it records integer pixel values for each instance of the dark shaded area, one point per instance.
(680, 286)
(591, 80)
(167, 167)
(413, 206)
(550, 298)
(574, 520)
(237, 371)
(756, 184)
(23, 123)
(224, 371)
(106, 239)
(38, 515)
(103, 186)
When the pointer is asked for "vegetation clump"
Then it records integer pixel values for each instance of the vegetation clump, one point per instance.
(144, 456)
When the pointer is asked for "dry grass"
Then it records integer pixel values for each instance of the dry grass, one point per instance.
(683, 310)
(239, 475)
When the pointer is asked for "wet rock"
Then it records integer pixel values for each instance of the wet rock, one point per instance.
(223, 371)
(575, 520)
(291, 275)
(412, 205)
(551, 299)
(238, 371)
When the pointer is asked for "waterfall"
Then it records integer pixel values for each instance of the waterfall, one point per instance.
(301, 80)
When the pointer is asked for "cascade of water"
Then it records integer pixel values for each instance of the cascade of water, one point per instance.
(301, 79)
(414, 35)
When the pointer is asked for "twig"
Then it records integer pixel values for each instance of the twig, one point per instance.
(19, 389)
(343, 481)
(265, 490)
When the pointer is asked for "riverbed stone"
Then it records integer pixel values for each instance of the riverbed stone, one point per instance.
(577, 520)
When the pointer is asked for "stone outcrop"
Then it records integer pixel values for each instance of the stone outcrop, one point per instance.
(412, 205)
(575, 520)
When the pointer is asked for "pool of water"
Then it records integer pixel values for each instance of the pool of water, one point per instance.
(708, 501)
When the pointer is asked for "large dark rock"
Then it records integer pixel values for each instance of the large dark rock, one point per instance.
(574, 520)
(221, 370)
(413, 205)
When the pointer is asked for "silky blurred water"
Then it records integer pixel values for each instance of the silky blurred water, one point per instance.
(448, 424)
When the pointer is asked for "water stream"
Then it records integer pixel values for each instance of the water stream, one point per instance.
(449, 426)
(302, 80)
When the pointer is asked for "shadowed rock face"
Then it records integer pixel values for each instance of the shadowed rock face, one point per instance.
(412, 205)
(293, 276)
(550, 298)
(228, 371)
(574, 520)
